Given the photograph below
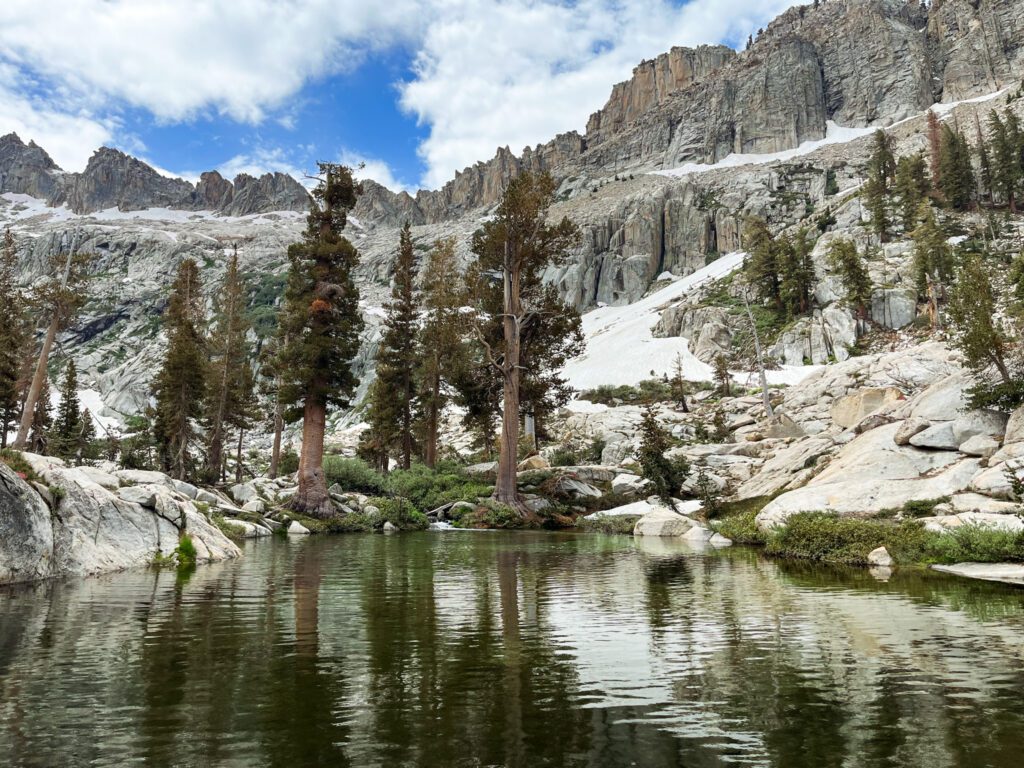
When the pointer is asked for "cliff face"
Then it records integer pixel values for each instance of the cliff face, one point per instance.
(113, 179)
(855, 62)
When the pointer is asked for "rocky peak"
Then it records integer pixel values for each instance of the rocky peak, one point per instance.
(113, 179)
(270, 192)
(213, 192)
(25, 168)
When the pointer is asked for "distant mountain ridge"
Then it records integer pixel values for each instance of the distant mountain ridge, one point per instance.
(858, 63)
(112, 179)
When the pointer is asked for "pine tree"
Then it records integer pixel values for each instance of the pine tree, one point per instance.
(932, 259)
(721, 375)
(678, 384)
(935, 152)
(180, 385)
(911, 187)
(380, 436)
(519, 245)
(13, 337)
(245, 413)
(57, 300)
(88, 447)
(398, 355)
(984, 162)
(972, 312)
(320, 323)
(956, 169)
(440, 341)
(881, 170)
(229, 373)
(853, 272)
(665, 475)
(1006, 172)
(761, 264)
(66, 435)
(797, 273)
(42, 421)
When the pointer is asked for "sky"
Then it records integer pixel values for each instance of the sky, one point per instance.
(413, 89)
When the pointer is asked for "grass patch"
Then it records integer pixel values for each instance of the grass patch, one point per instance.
(975, 544)
(233, 531)
(826, 538)
(735, 520)
(186, 552)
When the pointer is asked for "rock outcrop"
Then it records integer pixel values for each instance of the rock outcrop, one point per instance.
(74, 526)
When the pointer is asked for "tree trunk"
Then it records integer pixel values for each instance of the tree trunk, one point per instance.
(430, 438)
(238, 457)
(760, 361)
(312, 498)
(37, 385)
(275, 452)
(506, 490)
(407, 423)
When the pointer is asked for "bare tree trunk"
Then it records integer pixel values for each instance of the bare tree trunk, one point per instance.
(37, 385)
(506, 490)
(275, 452)
(312, 498)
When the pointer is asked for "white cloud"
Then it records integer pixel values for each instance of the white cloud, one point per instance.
(487, 74)
(375, 169)
(263, 160)
(518, 72)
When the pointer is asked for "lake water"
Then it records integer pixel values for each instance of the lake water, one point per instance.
(511, 649)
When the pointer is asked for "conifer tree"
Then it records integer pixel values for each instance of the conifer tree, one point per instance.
(956, 170)
(246, 412)
(984, 163)
(229, 376)
(180, 385)
(853, 272)
(13, 337)
(935, 152)
(519, 245)
(720, 372)
(1006, 169)
(381, 435)
(56, 300)
(88, 448)
(881, 170)
(665, 475)
(932, 259)
(797, 273)
(398, 355)
(66, 434)
(42, 421)
(972, 312)
(761, 265)
(911, 187)
(320, 323)
(678, 384)
(440, 341)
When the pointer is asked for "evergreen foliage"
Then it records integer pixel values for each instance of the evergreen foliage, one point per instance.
(666, 475)
(881, 172)
(972, 313)
(13, 337)
(320, 326)
(796, 283)
(66, 436)
(910, 187)
(1006, 157)
(957, 171)
(853, 272)
(761, 266)
(180, 385)
(42, 421)
(933, 265)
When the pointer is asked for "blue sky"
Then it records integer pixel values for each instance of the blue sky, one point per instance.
(416, 89)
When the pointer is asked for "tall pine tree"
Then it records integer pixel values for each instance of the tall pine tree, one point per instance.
(957, 172)
(229, 382)
(320, 325)
(398, 356)
(180, 385)
(1006, 169)
(881, 170)
(854, 273)
(66, 434)
(911, 187)
(13, 336)
(932, 259)
(441, 341)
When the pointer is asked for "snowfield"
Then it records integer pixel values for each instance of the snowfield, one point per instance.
(621, 348)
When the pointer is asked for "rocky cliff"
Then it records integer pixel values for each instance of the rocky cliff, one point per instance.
(853, 62)
(112, 179)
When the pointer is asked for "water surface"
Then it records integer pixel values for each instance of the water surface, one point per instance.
(511, 649)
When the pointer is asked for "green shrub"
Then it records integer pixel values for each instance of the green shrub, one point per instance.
(288, 462)
(740, 527)
(829, 539)
(975, 544)
(617, 524)
(595, 450)
(429, 489)
(353, 475)
(922, 508)
(400, 513)
(16, 462)
(488, 514)
(564, 457)
(186, 552)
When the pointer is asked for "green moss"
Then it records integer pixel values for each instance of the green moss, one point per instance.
(186, 551)
(233, 531)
